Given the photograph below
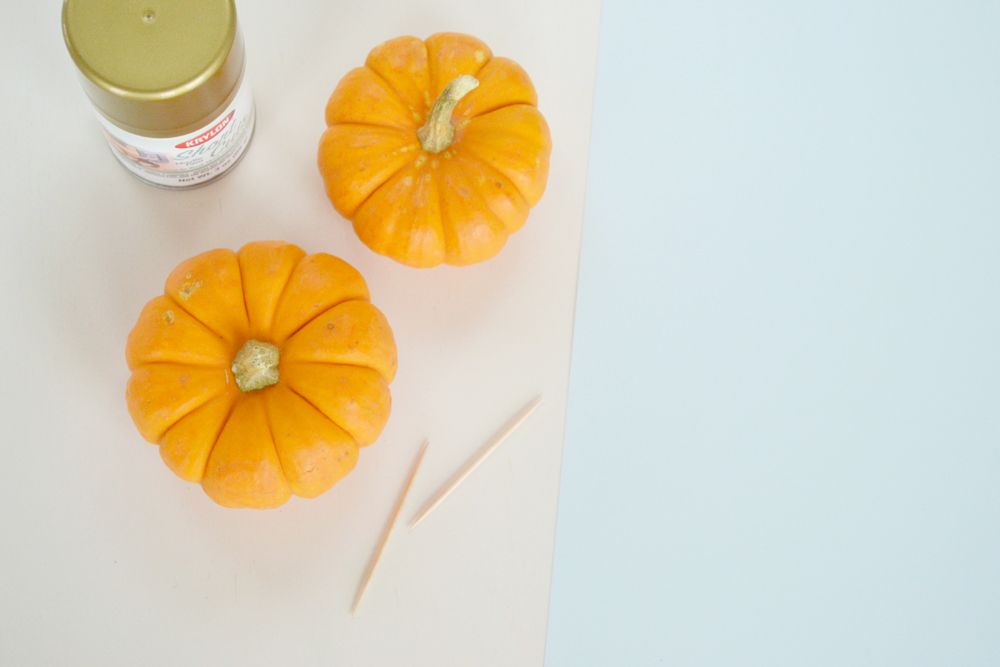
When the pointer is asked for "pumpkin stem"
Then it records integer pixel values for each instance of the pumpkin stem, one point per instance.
(256, 365)
(437, 133)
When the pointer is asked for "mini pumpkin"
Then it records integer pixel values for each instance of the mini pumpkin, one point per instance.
(435, 150)
(260, 373)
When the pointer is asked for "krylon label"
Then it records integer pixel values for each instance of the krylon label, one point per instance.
(208, 136)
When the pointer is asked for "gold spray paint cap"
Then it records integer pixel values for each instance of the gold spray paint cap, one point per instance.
(156, 67)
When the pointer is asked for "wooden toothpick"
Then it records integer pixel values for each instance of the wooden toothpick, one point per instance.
(474, 462)
(384, 539)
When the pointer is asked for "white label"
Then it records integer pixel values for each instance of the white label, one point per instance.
(190, 159)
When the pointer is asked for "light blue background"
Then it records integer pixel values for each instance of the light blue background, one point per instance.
(784, 428)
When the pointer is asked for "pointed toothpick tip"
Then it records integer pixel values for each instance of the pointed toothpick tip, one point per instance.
(376, 556)
(491, 445)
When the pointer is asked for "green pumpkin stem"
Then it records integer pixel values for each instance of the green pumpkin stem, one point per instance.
(256, 366)
(438, 132)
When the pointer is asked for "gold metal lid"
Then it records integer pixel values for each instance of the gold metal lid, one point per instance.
(156, 67)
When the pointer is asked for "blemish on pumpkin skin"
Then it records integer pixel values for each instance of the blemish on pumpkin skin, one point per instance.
(420, 161)
(168, 317)
(188, 289)
(480, 56)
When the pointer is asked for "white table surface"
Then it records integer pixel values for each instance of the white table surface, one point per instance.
(107, 557)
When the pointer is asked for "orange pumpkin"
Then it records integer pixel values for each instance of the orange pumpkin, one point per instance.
(435, 149)
(261, 373)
